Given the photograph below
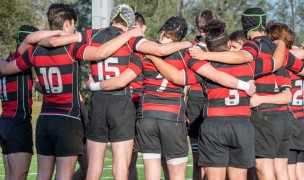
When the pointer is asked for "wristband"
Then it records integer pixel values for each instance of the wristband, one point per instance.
(95, 86)
(79, 37)
(242, 85)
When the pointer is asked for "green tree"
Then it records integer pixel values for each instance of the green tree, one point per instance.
(13, 14)
(291, 12)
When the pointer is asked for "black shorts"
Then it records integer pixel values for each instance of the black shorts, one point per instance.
(16, 135)
(226, 142)
(112, 118)
(297, 135)
(194, 112)
(272, 134)
(295, 156)
(59, 136)
(159, 136)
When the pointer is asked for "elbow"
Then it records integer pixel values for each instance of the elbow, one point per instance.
(161, 52)
(177, 81)
(53, 42)
(102, 54)
(288, 97)
(246, 57)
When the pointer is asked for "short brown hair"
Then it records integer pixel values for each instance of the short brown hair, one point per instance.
(283, 32)
(203, 17)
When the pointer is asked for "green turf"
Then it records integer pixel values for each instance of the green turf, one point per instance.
(107, 170)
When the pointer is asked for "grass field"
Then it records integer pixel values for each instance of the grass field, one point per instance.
(107, 170)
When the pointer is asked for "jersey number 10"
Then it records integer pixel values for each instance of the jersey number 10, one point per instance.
(48, 80)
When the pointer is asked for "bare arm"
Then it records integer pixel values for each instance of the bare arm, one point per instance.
(228, 57)
(151, 47)
(170, 72)
(279, 54)
(225, 79)
(36, 37)
(284, 97)
(114, 83)
(59, 40)
(299, 53)
(110, 47)
(8, 68)
(177, 76)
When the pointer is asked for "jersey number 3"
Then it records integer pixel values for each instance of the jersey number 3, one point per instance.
(232, 101)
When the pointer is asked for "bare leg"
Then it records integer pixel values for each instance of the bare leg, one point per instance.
(292, 171)
(6, 167)
(197, 172)
(152, 169)
(265, 169)
(280, 168)
(81, 173)
(165, 168)
(45, 167)
(19, 164)
(300, 171)
(215, 173)
(237, 173)
(132, 168)
(65, 167)
(252, 174)
(96, 153)
(122, 152)
(177, 172)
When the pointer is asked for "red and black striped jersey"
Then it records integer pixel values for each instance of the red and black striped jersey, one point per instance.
(114, 65)
(263, 46)
(16, 93)
(161, 98)
(196, 90)
(271, 84)
(223, 101)
(297, 104)
(137, 85)
(58, 74)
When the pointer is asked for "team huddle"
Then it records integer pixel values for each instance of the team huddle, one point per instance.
(238, 97)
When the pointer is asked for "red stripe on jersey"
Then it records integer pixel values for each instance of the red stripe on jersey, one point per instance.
(161, 107)
(297, 104)
(117, 63)
(198, 65)
(229, 111)
(161, 96)
(252, 47)
(196, 90)
(58, 74)
(16, 93)
(223, 101)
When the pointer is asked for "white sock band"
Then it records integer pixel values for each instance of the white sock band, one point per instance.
(94, 86)
(151, 156)
(177, 161)
(242, 85)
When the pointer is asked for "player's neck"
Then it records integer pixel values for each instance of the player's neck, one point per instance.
(254, 34)
(122, 27)
(165, 40)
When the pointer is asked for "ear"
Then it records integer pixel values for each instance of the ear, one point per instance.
(161, 36)
(66, 25)
(144, 28)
